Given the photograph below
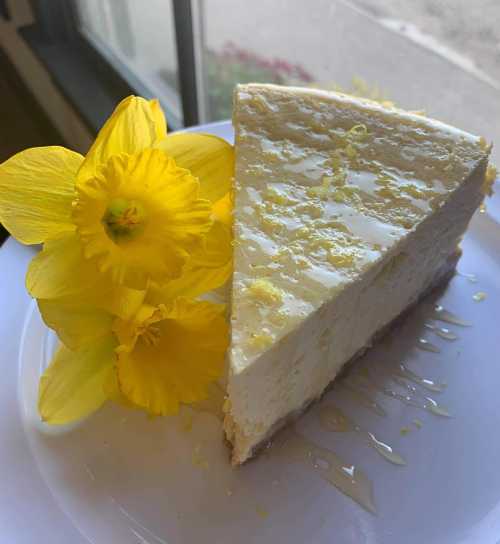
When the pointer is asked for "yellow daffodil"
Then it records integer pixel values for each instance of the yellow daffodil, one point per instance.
(131, 234)
(135, 209)
(170, 354)
(140, 217)
(159, 356)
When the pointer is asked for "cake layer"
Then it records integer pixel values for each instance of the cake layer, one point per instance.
(345, 212)
(442, 276)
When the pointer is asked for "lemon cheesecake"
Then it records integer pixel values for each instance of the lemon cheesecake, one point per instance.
(346, 213)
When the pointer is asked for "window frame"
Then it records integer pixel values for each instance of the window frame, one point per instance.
(91, 77)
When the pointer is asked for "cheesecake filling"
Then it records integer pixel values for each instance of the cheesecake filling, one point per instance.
(344, 212)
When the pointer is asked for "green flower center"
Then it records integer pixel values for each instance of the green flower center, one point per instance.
(124, 219)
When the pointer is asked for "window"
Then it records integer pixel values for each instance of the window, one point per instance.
(440, 62)
(435, 55)
(139, 38)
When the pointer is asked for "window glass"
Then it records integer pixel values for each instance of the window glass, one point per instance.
(434, 55)
(141, 36)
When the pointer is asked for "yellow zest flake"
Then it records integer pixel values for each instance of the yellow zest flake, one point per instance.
(383, 180)
(319, 192)
(273, 195)
(314, 210)
(272, 155)
(358, 132)
(281, 255)
(349, 190)
(340, 178)
(483, 143)
(279, 318)
(340, 261)
(322, 190)
(302, 263)
(256, 169)
(260, 103)
(266, 292)
(405, 223)
(414, 191)
(344, 194)
(319, 242)
(337, 160)
(336, 225)
(349, 140)
(489, 180)
(260, 340)
(270, 226)
(339, 197)
(226, 406)
(262, 512)
(351, 152)
(269, 207)
(386, 192)
(304, 233)
(259, 208)
(328, 183)
(391, 190)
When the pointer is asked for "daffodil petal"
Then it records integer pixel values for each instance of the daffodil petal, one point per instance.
(72, 387)
(209, 268)
(36, 191)
(135, 125)
(159, 119)
(76, 323)
(208, 157)
(113, 392)
(60, 269)
(223, 210)
(180, 366)
(128, 331)
(121, 301)
(197, 281)
(99, 299)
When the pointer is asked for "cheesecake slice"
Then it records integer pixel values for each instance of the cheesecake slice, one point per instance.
(346, 213)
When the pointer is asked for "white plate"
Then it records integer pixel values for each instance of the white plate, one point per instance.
(121, 478)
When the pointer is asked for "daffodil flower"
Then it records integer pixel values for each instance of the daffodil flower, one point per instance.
(129, 233)
(139, 208)
(156, 357)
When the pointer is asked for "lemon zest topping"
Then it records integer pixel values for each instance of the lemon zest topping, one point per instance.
(261, 340)
(489, 180)
(276, 197)
(266, 292)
